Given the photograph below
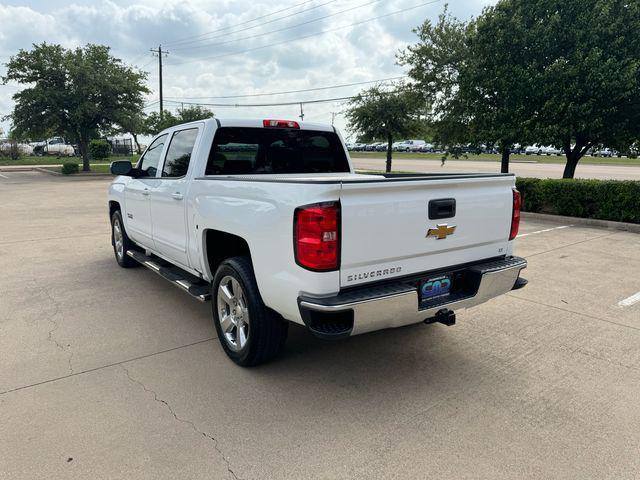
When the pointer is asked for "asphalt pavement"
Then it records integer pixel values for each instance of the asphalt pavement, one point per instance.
(114, 374)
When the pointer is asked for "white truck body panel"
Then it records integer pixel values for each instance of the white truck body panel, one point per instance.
(379, 215)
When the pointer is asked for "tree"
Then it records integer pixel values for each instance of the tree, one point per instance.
(434, 66)
(586, 59)
(382, 114)
(77, 92)
(134, 123)
(479, 86)
(156, 123)
(563, 73)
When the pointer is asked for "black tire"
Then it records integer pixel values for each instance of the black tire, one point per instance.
(124, 260)
(267, 330)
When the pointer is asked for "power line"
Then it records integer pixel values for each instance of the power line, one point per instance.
(235, 105)
(185, 41)
(147, 64)
(316, 89)
(310, 35)
(314, 20)
(298, 102)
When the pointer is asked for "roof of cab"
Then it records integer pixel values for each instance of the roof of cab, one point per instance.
(252, 123)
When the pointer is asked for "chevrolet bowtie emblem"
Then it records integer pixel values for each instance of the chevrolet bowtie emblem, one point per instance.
(441, 231)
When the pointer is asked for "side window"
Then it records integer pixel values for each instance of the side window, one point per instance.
(176, 163)
(149, 162)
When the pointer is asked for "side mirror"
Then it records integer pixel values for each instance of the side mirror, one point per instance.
(121, 167)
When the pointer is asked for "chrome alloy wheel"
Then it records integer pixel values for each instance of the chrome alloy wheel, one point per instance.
(233, 313)
(118, 239)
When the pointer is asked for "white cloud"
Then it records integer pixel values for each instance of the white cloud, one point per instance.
(131, 28)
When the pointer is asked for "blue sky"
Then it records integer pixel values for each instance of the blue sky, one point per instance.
(194, 31)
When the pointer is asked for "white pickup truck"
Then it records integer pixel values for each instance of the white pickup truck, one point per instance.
(54, 146)
(267, 219)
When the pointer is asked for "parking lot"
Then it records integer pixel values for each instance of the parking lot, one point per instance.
(113, 373)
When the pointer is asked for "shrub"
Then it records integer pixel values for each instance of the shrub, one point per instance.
(69, 167)
(99, 149)
(602, 199)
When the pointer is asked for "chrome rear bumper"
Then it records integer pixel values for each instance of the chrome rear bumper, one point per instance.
(396, 304)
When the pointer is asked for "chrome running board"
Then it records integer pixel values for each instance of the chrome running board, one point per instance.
(198, 289)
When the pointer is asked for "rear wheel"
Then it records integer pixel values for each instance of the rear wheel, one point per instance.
(121, 242)
(249, 332)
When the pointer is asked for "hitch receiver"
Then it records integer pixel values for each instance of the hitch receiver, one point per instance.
(445, 316)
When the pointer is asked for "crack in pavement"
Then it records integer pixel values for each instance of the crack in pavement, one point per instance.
(55, 324)
(102, 367)
(182, 420)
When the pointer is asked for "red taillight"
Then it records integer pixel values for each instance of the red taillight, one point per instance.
(280, 124)
(515, 216)
(316, 236)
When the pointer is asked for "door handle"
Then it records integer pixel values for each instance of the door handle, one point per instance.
(177, 196)
(145, 192)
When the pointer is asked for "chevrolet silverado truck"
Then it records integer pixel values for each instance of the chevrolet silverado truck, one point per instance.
(268, 220)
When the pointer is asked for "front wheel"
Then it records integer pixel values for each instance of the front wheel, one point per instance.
(249, 332)
(121, 242)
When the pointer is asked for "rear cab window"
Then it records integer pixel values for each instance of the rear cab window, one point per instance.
(255, 151)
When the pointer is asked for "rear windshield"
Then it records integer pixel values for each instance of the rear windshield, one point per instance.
(240, 151)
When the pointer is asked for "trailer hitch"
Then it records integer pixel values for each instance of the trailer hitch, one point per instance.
(445, 316)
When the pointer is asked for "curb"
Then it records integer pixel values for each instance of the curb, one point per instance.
(587, 222)
(25, 168)
(73, 175)
(46, 170)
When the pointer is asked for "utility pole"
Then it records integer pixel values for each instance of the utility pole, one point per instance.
(301, 113)
(159, 54)
(333, 117)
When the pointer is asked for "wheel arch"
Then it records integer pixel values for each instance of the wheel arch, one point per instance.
(113, 207)
(219, 245)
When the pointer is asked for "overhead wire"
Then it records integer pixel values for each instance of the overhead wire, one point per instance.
(316, 89)
(396, 12)
(176, 43)
(290, 27)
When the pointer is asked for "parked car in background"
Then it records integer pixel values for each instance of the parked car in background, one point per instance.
(54, 146)
(605, 152)
(416, 145)
(533, 150)
(372, 147)
(551, 150)
(410, 145)
(426, 148)
(6, 147)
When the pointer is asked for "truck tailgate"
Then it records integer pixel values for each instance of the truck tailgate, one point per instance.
(385, 225)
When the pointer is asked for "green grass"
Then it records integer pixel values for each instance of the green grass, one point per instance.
(4, 161)
(486, 157)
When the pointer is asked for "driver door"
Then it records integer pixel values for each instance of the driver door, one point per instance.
(137, 194)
